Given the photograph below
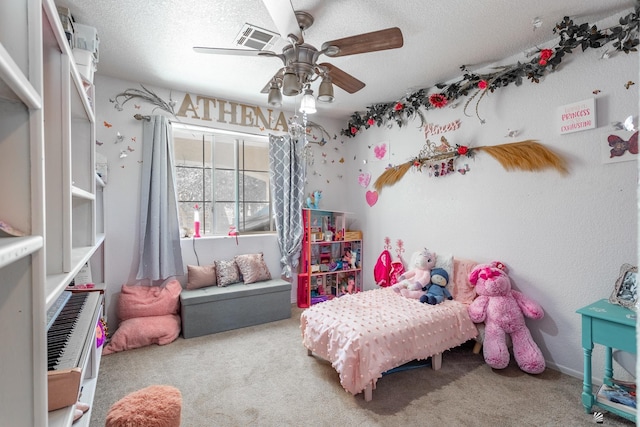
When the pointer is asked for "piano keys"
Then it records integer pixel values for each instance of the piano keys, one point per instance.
(70, 345)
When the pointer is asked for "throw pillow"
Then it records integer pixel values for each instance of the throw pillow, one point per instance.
(253, 268)
(445, 262)
(201, 276)
(462, 290)
(227, 272)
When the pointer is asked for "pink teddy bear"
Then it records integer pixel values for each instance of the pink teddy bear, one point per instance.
(503, 310)
(410, 283)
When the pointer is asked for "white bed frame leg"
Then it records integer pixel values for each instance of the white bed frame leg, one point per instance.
(436, 361)
(368, 392)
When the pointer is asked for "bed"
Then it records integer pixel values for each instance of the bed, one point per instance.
(366, 334)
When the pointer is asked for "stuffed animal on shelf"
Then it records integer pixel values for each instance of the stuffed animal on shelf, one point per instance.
(436, 291)
(411, 282)
(314, 199)
(502, 309)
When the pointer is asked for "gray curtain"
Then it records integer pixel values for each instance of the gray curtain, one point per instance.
(287, 172)
(160, 254)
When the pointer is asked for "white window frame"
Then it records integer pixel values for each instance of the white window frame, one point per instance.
(241, 137)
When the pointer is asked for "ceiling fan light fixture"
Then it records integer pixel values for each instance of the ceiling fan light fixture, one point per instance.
(308, 102)
(290, 83)
(275, 96)
(325, 91)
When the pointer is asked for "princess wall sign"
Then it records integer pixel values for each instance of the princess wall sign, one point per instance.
(577, 116)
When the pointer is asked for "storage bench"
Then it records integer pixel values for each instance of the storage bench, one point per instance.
(216, 309)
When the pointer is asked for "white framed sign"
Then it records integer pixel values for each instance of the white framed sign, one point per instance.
(84, 275)
(577, 116)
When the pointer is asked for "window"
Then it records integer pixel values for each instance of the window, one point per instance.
(226, 174)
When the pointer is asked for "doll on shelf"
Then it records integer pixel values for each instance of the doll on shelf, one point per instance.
(320, 286)
(348, 260)
(351, 285)
(342, 288)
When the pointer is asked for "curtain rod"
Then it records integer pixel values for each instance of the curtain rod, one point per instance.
(141, 117)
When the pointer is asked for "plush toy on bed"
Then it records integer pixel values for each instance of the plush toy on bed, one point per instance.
(502, 309)
(436, 291)
(411, 282)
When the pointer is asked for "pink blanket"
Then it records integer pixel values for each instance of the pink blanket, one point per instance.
(368, 333)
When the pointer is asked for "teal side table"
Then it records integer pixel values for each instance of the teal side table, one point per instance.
(614, 327)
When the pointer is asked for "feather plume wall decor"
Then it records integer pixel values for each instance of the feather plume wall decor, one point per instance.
(528, 155)
(143, 94)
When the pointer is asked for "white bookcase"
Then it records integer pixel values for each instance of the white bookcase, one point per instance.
(49, 191)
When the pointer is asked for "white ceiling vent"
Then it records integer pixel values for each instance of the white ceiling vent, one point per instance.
(259, 39)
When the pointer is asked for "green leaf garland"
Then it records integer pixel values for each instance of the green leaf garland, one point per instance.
(622, 38)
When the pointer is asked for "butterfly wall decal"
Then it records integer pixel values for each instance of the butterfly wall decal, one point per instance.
(619, 146)
(107, 124)
(626, 125)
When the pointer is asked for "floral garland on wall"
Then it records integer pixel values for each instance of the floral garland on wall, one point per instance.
(622, 37)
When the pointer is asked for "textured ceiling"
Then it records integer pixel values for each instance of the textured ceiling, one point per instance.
(150, 41)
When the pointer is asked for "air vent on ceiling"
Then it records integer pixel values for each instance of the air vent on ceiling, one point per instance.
(259, 39)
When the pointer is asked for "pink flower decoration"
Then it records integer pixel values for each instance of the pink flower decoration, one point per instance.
(399, 106)
(438, 100)
(354, 130)
(482, 84)
(371, 121)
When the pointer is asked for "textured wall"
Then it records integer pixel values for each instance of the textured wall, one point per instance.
(564, 238)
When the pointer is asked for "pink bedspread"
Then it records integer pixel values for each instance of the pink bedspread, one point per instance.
(368, 333)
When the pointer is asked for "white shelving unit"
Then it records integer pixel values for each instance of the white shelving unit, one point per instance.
(49, 192)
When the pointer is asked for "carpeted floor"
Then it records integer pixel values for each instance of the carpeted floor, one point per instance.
(262, 376)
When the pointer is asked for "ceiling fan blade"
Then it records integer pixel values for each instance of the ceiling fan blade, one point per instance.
(276, 76)
(391, 38)
(283, 16)
(237, 52)
(342, 79)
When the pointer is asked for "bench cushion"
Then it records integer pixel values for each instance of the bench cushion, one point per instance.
(216, 309)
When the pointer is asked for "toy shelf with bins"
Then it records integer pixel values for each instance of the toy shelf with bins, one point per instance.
(330, 264)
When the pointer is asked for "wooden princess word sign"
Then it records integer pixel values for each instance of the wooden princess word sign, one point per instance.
(234, 113)
(433, 129)
(577, 116)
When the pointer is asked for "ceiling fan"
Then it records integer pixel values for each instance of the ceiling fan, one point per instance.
(300, 59)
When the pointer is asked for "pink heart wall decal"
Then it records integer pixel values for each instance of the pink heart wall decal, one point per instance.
(372, 197)
(380, 151)
(364, 179)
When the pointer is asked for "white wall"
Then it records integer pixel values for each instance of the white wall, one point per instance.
(564, 238)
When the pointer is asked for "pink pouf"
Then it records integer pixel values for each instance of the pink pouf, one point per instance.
(153, 406)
